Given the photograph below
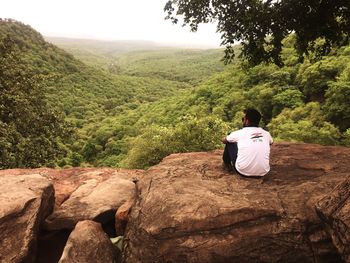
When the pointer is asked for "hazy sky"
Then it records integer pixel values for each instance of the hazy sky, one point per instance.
(106, 19)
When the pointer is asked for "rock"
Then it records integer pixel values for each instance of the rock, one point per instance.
(122, 217)
(189, 210)
(334, 210)
(88, 243)
(25, 201)
(66, 181)
(93, 200)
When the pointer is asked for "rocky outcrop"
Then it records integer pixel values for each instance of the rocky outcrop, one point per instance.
(89, 244)
(93, 200)
(66, 183)
(190, 210)
(186, 209)
(334, 210)
(25, 201)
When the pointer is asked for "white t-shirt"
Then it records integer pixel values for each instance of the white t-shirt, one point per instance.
(253, 158)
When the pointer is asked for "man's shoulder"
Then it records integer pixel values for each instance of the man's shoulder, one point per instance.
(268, 135)
(262, 130)
(236, 131)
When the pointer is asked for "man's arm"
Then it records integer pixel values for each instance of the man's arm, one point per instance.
(232, 137)
(224, 140)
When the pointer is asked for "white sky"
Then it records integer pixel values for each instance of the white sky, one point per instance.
(106, 19)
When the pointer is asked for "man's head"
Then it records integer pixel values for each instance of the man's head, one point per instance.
(251, 117)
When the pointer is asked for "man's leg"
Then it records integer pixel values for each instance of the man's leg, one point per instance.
(230, 155)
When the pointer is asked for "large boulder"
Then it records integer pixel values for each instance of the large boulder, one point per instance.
(25, 201)
(334, 210)
(94, 200)
(190, 210)
(88, 243)
(66, 181)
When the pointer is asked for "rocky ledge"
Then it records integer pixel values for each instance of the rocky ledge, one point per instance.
(190, 210)
(186, 209)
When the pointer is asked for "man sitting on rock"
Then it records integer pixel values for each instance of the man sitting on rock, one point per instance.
(247, 151)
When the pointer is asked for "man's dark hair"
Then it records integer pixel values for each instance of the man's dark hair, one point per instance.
(253, 116)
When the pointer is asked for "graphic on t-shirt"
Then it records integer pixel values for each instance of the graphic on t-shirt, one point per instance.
(255, 137)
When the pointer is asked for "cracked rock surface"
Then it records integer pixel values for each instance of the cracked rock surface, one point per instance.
(334, 210)
(95, 199)
(190, 210)
(25, 201)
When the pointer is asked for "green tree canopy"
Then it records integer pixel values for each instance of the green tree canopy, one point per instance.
(30, 131)
(305, 123)
(261, 25)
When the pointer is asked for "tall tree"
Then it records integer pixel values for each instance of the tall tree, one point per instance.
(261, 25)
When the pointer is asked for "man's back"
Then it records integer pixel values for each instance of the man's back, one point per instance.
(253, 150)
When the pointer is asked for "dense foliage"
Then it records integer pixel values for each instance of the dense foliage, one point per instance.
(262, 25)
(300, 102)
(31, 132)
(86, 95)
(146, 60)
(159, 102)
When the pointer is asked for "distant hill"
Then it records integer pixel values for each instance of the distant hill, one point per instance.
(185, 65)
(145, 59)
(103, 47)
(79, 90)
(84, 94)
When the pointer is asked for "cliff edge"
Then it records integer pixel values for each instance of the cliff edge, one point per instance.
(190, 210)
(186, 209)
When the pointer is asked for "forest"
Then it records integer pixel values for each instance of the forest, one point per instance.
(92, 103)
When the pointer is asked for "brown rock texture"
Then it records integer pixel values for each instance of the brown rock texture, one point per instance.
(122, 217)
(88, 244)
(334, 210)
(92, 200)
(66, 182)
(25, 201)
(190, 210)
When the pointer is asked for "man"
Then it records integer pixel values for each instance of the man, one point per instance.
(248, 150)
